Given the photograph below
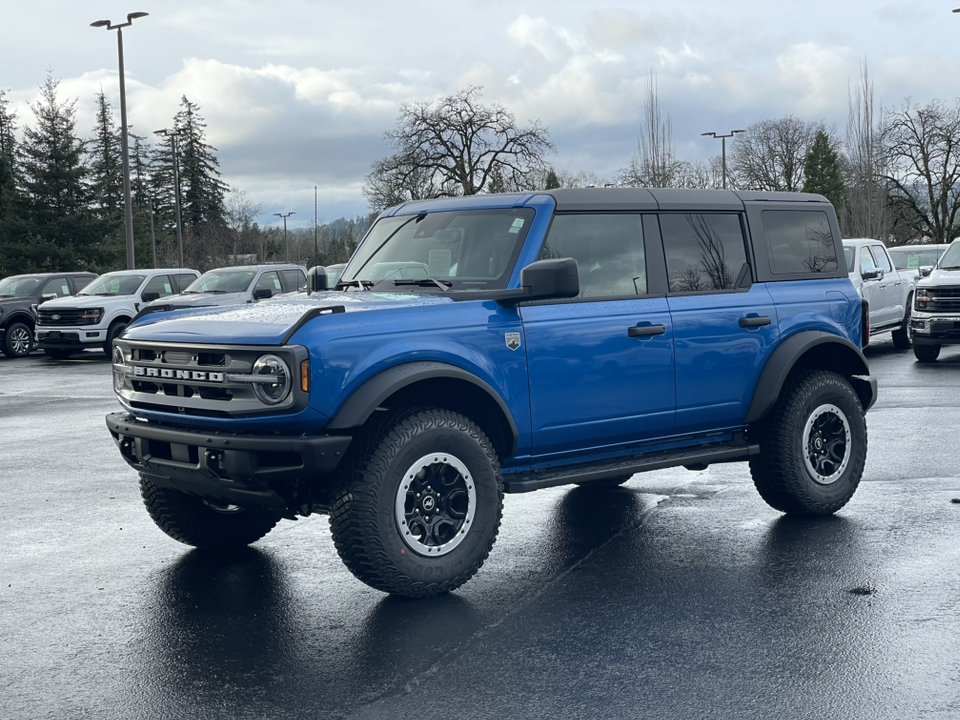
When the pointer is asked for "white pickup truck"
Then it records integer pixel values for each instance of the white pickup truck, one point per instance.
(888, 292)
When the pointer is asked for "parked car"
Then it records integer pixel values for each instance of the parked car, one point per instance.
(888, 291)
(96, 315)
(572, 336)
(20, 295)
(916, 257)
(936, 312)
(236, 285)
(333, 273)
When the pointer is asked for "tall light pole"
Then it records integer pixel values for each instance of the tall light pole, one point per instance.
(723, 150)
(172, 134)
(124, 149)
(286, 248)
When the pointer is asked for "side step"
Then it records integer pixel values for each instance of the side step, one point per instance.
(697, 456)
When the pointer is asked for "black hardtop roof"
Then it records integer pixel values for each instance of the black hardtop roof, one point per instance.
(622, 199)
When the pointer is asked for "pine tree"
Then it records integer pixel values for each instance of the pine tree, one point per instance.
(106, 165)
(553, 181)
(201, 188)
(823, 172)
(61, 232)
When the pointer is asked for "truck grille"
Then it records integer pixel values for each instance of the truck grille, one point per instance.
(63, 317)
(202, 380)
(943, 300)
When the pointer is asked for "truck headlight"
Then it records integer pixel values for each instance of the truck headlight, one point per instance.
(277, 381)
(91, 316)
(921, 299)
(119, 369)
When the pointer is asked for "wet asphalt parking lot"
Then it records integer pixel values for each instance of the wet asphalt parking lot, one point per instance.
(679, 595)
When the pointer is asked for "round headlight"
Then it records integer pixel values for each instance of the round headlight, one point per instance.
(119, 376)
(276, 383)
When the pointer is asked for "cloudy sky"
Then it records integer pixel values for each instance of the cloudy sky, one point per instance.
(298, 93)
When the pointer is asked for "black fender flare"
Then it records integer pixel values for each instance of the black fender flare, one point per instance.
(371, 394)
(23, 316)
(785, 357)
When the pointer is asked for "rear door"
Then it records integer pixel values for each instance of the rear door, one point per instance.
(601, 364)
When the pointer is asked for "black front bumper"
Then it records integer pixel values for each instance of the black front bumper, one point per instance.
(239, 469)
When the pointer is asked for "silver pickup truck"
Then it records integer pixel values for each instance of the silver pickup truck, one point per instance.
(888, 291)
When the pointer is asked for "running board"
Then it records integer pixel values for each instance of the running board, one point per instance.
(696, 458)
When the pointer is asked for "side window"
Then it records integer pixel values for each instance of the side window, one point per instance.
(81, 281)
(799, 241)
(269, 281)
(293, 280)
(58, 286)
(608, 250)
(880, 255)
(182, 280)
(866, 260)
(704, 252)
(159, 284)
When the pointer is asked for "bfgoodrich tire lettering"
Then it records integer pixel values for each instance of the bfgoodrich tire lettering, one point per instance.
(419, 504)
(813, 446)
(196, 522)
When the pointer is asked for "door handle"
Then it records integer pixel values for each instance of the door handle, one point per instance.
(646, 331)
(754, 321)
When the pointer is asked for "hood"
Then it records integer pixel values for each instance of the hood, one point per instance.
(201, 299)
(940, 277)
(83, 301)
(268, 322)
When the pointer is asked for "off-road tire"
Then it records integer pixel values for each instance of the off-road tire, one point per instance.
(902, 336)
(396, 455)
(115, 329)
(605, 483)
(17, 340)
(926, 353)
(817, 424)
(195, 522)
(58, 353)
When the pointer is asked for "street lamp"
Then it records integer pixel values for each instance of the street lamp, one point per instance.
(286, 248)
(723, 149)
(124, 149)
(172, 134)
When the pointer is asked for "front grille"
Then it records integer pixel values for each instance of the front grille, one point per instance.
(63, 317)
(202, 380)
(942, 300)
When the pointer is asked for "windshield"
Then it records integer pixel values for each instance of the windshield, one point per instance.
(951, 258)
(849, 255)
(19, 286)
(461, 250)
(222, 281)
(111, 284)
(905, 258)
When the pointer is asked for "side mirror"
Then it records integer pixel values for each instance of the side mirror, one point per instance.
(48, 296)
(925, 270)
(150, 296)
(262, 293)
(557, 278)
(871, 274)
(317, 279)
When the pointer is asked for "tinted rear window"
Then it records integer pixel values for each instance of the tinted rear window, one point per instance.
(799, 241)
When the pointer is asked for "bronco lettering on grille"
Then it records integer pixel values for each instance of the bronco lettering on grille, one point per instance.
(171, 374)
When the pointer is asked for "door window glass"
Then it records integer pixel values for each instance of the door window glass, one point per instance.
(799, 241)
(268, 281)
(867, 262)
(159, 284)
(704, 252)
(608, 250)
(881, 257)
(57, 286)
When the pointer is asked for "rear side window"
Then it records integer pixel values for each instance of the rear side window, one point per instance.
(799, 241)
(704, 252)
(293, 280)
(881, 257)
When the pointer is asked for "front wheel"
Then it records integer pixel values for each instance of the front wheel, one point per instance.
(419, 504)
(112, 334)
(926, 353)
(813, 446)
(903, 335)
(18, 340)
(203, 524)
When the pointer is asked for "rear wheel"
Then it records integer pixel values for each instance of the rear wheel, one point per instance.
(17, 340)
(203, 524)
(926, 353)
(419, 504)
(813, 446)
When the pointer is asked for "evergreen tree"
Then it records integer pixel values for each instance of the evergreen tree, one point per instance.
(106, 165)
(553, 181)
(823, 172)
(202, 190)
(8, 190)
(8, 130)
(62, 234)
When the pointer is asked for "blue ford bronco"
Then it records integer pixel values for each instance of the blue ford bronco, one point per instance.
(492, 344)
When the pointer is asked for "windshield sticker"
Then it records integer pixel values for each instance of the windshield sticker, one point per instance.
(513, 340)
(517, 225)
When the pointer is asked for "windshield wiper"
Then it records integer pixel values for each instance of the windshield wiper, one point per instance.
(949, 267)
(424, 282)
(362, 284)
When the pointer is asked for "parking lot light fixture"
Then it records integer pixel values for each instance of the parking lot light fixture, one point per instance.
(172, 134)
(286, 247)
(723, 150)
(124, 147)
